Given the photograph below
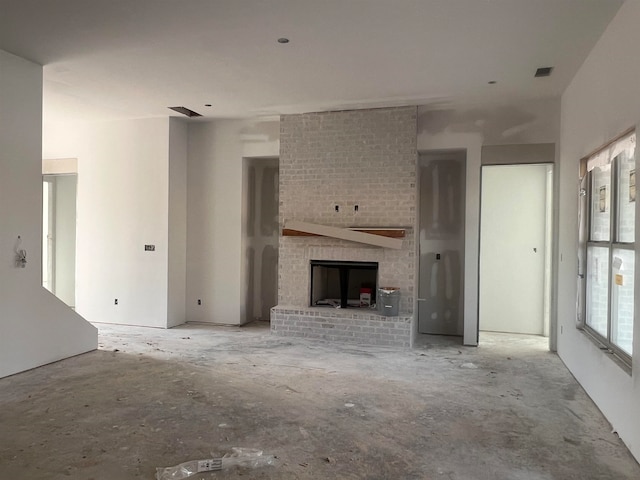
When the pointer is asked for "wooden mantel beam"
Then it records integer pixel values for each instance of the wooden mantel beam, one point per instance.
(383, 232)
(367, 236)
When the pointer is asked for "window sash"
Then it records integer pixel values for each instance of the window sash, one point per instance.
(611, 154)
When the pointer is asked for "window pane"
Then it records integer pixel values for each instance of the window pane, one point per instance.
(598, 288)
(600, 203)
(623, 268)
(626, 196)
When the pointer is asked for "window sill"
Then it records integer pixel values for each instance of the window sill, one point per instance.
(617, 359)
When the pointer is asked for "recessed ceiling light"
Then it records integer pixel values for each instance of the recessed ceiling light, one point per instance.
(543, 71)
(283, 40)
(492, 82)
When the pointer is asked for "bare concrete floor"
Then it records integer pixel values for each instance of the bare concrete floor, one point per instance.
(508, 410)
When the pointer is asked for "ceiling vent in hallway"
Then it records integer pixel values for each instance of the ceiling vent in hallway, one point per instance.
(544, 71)
(185, 111)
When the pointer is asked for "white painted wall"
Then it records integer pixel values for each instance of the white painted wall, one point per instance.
(59, 166)
(513, 248)
(445, 128)
(35, 327)
(215, 263)
(123, 204)
(602, 101)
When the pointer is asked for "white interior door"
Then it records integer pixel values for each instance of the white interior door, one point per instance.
(512, 248)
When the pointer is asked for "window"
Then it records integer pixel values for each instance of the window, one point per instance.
(610, 245)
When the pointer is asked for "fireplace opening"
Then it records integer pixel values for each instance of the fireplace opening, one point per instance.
(343, 284)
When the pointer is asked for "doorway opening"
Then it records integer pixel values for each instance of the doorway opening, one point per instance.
(59, 196)
(516, 220)
(441, 243)
(260, 237)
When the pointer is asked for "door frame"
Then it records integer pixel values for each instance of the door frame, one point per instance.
(60, 282)
(49, 236)
(548, 264)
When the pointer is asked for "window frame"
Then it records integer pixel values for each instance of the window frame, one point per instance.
(613, 243)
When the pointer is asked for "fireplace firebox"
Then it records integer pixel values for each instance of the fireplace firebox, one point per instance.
(340, 283)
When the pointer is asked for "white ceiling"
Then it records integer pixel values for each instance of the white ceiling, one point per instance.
(134, 58)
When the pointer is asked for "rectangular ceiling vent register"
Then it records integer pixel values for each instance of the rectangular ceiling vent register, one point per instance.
(544, 71)
(185, 111)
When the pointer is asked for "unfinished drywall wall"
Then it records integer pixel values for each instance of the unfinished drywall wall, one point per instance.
(215, 260)
(123, 205)
(261, 233)
(445, 127)
(177, 241)
(521, 154)
(441, 237)
(35, 327)
(512, 123)
(602, 101)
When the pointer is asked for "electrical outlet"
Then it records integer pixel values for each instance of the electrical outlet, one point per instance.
(115, 302)
(199, 302)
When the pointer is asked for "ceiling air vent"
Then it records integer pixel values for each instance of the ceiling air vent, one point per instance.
(185, 111)
(544, 71)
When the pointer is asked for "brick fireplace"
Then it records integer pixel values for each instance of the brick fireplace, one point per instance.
(347, 169)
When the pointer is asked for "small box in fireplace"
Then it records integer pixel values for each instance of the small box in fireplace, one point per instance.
(365, 297)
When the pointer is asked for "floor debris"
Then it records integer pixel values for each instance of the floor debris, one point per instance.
(469, 365)
(408, 420)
